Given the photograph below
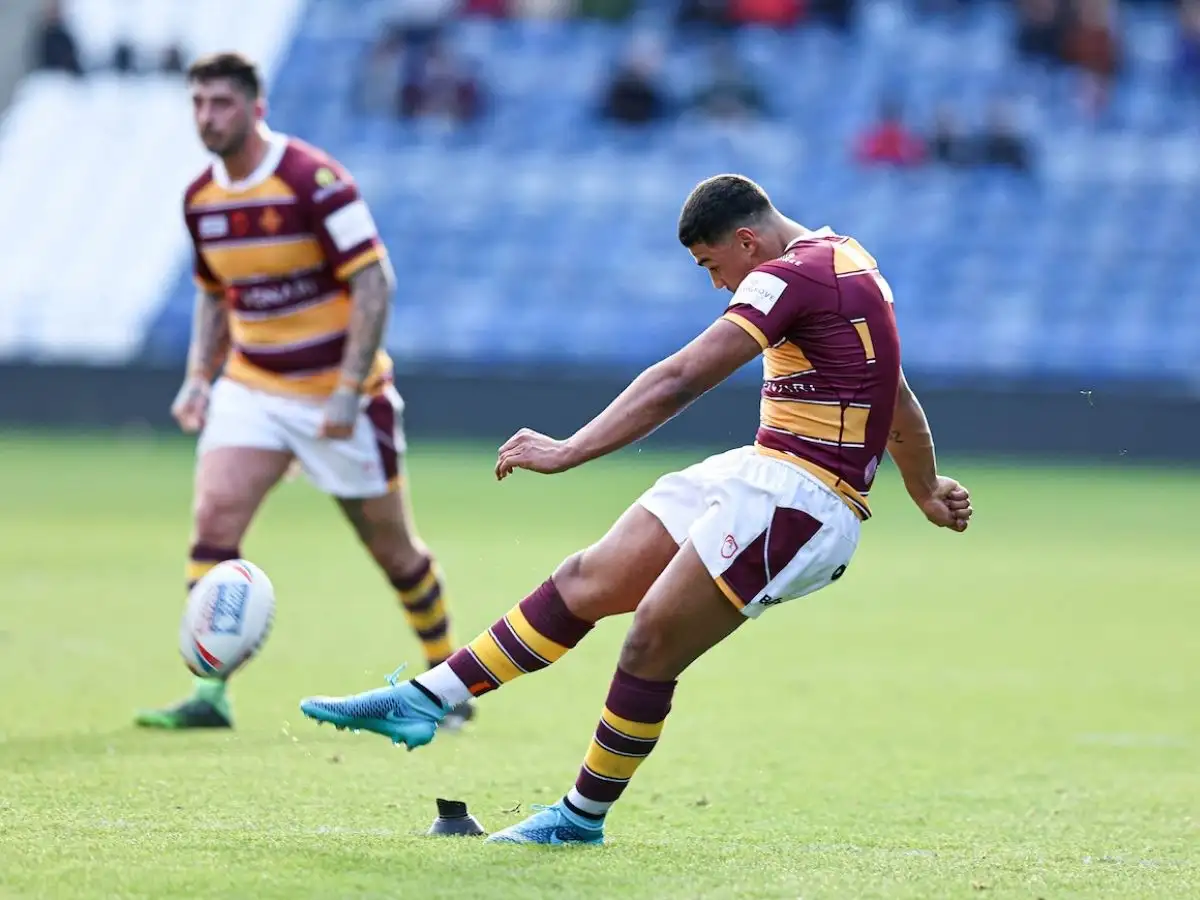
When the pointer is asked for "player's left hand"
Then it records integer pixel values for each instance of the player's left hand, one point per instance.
(341, 412)
(536, 452)
(948, 506)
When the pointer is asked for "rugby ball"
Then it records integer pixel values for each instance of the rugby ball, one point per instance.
(228, 617)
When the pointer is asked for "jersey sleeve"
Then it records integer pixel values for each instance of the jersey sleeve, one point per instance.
(201, 273)
(766, 306)
(343, 224)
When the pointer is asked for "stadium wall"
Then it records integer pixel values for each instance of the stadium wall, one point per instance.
(1119, 425)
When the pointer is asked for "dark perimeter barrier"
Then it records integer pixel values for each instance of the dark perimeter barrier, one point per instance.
(1121, 424)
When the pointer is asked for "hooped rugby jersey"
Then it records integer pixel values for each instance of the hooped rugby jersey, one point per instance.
(831, 360)
(281, 246)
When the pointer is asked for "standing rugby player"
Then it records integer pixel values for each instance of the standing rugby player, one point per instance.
(718, 543)
(293, 293)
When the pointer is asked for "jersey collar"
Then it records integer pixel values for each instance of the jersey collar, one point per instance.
(276, 146)
(823, 231)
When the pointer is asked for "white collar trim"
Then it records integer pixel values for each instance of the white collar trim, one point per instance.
(276, 147)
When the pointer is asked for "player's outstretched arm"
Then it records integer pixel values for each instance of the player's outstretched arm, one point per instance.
(651, 399)
(945, 502)
(206, 354)
(371, 292)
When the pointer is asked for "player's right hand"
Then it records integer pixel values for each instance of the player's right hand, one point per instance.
(191, 404)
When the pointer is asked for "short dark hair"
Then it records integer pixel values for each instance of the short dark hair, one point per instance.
(719, 205)
(239, 69)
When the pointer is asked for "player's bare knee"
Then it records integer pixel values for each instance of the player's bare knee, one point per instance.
(580, 587)
(220, 518)
(644, 645)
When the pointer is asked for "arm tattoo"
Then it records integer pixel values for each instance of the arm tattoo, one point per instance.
(372, 292)
(210, 335)
(894, 437)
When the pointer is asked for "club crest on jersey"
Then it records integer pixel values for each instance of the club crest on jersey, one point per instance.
(213, 226)
(228, 608)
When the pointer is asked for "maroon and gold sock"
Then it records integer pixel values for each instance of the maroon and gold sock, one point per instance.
(424, 606)
(629, 728)
(532, 635)
(203, 557)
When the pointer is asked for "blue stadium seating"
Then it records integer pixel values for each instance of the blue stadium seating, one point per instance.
(549, 237)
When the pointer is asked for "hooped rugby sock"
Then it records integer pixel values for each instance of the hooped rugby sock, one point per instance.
(424, 606)
(629, 728)
(532, 635)
(201, 560)
(203, 557)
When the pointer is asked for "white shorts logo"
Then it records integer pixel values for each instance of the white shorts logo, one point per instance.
(761, 290)
(351, 225)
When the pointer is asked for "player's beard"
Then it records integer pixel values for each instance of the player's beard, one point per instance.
(232, 145)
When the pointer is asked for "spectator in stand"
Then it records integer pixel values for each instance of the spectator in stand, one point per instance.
(948, 143)
(441, 88)
(1091, 45)
(731, 93)
(703, 15)
(889, 141)
(1188, 58)
(776, 13)
(1041, 32)
(55, 49)
(418, 23)
(635, 96)
(1002, 144)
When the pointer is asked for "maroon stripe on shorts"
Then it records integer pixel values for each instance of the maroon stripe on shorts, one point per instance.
(637, 699)
(526, 660)
(324, 354)
(382, 415)
(545, 610)
(754, 568)
(609, 737)
(601, 790)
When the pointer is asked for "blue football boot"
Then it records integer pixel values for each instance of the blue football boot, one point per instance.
(551, 825)
(402, 712)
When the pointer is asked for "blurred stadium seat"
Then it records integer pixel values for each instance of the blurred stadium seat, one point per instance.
(533, 238)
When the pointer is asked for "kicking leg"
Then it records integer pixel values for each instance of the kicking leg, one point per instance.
(230, 485)
(385, 527)
(682, 617)
(608, 578)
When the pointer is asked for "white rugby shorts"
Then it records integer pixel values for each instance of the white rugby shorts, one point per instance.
(367, 464)
(766, 530)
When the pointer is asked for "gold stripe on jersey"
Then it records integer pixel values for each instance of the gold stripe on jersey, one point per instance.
(856, 501)
(749, 327)
(785, 360)
(212, 194)
(320, 320)
(850, 257)
(212, 287)
(264, 257)
(315, 384)
(864, 335)
(826, 422)
(352, 267)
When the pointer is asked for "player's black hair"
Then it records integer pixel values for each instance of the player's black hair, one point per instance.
(237, 68)
(717, 206)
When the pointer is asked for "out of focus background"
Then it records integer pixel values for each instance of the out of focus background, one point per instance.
(1009, 711)
(1026, 173)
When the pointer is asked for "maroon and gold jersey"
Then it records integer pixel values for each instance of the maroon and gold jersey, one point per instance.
(831, 360)
(281, 247)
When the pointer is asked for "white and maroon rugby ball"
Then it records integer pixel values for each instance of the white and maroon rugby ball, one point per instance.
(227, 618)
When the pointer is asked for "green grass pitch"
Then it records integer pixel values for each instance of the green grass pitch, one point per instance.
(1011, 713)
